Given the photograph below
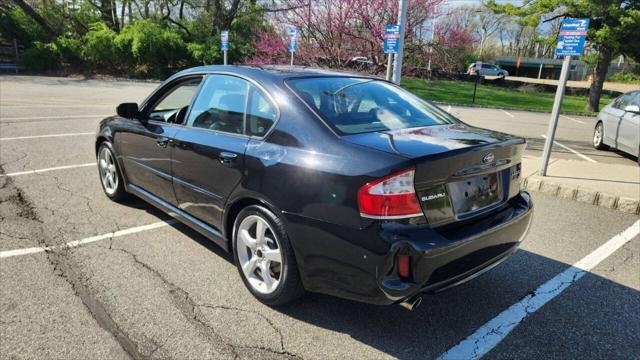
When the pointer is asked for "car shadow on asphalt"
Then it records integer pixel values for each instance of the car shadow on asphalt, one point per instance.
(446, 318)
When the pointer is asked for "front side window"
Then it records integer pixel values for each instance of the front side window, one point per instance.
(175, 101)
(623, 101)
(357, 105)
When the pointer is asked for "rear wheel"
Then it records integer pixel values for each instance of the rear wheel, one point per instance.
(598, 137)
(110, 173)
(264, 257)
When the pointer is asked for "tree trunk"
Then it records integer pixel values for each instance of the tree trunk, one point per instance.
(599, 75)
(122, 13)
(130, 16)
(50, 32)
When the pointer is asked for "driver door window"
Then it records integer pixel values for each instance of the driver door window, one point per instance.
(173, 105)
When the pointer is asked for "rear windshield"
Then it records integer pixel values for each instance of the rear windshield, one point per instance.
(357, 105)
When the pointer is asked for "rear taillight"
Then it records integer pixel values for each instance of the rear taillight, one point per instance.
(392, 197)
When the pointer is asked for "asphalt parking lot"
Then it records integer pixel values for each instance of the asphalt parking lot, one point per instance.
(573, 139)
(82, 277)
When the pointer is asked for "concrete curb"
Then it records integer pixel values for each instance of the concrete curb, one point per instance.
(613, 202)
(593, 115)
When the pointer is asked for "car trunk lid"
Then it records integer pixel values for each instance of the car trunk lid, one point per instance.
(461, 171)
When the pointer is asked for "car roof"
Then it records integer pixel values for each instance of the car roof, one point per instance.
(281, 72)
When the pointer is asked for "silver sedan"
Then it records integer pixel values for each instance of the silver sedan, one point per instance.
(618, 125)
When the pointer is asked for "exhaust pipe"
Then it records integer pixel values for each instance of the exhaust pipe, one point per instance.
(412, 303)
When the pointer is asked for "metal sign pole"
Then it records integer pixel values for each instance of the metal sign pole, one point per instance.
(389, 66)
(402, 21)
(293, 41)
(224, 44)
(553, 122)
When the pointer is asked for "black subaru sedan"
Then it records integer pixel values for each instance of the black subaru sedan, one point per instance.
(321, 181)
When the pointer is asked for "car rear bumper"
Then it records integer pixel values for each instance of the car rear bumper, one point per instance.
(361, 264)
(461, 253)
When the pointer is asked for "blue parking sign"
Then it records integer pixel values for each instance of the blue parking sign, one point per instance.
(224, 40)
(293, 39)
(293, 44)
(573, 33)
(391, 38)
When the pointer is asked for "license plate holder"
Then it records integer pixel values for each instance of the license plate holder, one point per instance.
(475, 193)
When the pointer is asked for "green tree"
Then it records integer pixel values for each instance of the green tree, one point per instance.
(614, 29)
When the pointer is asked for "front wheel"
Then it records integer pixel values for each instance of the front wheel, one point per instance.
(264, 257)
(598, 137)
(110, 178)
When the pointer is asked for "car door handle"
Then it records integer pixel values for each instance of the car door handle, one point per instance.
(227, 158)
(163, 142)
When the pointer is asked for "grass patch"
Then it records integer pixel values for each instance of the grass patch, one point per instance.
(461, 92)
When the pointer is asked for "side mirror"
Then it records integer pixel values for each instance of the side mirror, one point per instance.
(129, 111)
(632, 108)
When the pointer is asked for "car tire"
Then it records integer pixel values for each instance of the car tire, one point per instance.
(598, 137)
(110, 174)
(256, 254)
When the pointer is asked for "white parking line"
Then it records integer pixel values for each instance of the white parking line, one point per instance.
(45, 136)
(570, 149)
(75, 243)
(493, 332)
(448, 108)
(508, 113)
(54, 117)
(39, 105)
(37, 171)
(572, 119)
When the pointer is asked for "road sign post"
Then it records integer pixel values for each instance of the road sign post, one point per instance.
(402, 23)
(293, 41)
(224, 44)
(570, 43)
(391, 37)
(478, 66)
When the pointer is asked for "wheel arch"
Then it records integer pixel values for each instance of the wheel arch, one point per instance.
(235, 206)
(99, 140)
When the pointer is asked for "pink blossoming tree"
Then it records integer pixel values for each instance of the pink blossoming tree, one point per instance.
(331, 32)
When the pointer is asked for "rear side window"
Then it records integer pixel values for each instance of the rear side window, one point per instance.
(260, 114)
(231, 104)
(358, 105)
(220, 104)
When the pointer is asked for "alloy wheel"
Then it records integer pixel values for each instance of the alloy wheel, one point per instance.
(259, 254)
(597, 136)
(108, 172)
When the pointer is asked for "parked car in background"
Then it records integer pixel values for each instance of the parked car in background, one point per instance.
(315, 180)
(618, 125)
(360, 60)
(488, 69)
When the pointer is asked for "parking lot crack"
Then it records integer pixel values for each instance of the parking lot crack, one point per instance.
(281, 351)
(62, 265)
(183, 301)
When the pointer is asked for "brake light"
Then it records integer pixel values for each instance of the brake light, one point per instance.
(391, 197)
